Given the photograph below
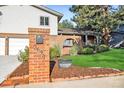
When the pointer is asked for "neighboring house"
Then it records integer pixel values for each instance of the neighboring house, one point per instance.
(17, 19)
(117, 37)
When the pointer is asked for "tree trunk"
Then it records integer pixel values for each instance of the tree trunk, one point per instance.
(106, 36)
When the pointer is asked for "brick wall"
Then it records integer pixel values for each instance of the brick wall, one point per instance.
(38, 56)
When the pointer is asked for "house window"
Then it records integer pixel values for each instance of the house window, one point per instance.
(44, 21)
(68, 43)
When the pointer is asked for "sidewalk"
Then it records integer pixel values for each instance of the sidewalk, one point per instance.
(104, 82)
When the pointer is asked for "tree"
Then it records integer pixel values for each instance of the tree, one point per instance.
(118, 15)
(99, 17)
(66, 24)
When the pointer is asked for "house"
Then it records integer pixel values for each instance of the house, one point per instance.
(16, 19)
(117, 37)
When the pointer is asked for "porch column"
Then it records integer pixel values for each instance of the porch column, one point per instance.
(86, 39)
(97, 40)
(6, 46)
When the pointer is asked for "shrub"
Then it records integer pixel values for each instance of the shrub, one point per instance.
(80, 50)
(24, 55)
(87, 50)
(102, 48)
(93, 46)
(74, 50)
(55, 52)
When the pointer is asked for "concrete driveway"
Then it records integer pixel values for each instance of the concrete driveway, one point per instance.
(104, 82)
(7, 65)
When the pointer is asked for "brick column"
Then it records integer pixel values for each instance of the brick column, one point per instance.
(39, 62)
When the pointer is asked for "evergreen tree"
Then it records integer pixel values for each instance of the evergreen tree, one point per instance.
(66, 24)
(99, 17)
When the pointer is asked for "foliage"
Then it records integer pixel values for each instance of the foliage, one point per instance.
(80, 50)
(66, 24)
(102, 48)
(24, 55)
(96, 16)
(118, 15)
(110, 59)
(87, 50)
(93, 46)
(55, 52)
(74, 50)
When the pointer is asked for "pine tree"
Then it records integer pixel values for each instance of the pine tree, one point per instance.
(98, 17)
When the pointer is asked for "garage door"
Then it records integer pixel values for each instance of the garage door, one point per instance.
(17, 44)
(2, 46)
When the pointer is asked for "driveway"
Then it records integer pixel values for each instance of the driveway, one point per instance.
(7, 65)
(104, 82)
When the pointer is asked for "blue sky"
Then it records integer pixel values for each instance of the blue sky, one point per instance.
(64, 9)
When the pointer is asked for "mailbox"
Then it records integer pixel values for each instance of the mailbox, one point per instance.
(39, 39)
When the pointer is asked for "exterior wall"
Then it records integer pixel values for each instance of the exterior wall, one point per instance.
(39, 61)
(2, 46)
(60, 40)
(17, 19)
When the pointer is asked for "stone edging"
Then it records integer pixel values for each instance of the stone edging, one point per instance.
(87, 77)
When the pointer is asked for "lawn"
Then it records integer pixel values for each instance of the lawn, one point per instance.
(110, 59)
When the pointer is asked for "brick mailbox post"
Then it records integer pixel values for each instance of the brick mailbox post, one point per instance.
(39, 62)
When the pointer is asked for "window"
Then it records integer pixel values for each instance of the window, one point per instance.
(44, 21)
(68, 43)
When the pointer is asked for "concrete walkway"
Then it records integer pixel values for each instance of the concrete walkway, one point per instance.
(104, 82)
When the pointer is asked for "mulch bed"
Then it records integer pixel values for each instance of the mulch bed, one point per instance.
(55, 72)
(21, 74)
(76, 71)
(73, 71)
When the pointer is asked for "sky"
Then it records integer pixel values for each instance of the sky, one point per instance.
(64, 9)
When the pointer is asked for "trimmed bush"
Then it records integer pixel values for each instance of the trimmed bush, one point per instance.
(87, 50)
(24, 55)
(55, 52)
(102, 48)
(74, 50)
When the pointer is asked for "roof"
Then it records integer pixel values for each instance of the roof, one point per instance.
(68, 31)
(117, 32)
(73, 31)
(44, 8)
(60, 15)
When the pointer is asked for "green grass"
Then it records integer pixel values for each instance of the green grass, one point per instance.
(110, 59)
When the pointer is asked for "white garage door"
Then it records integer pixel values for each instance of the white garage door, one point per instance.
(2, 46)
(17, 44)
